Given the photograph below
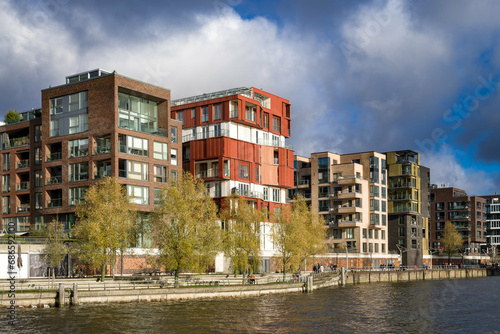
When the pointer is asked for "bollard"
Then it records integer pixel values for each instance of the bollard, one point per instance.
(309, 284)
(60, 295)
(342, 276)
(74, 299)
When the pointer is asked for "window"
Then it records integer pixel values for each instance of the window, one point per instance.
(79, 171)
(173, 174)
(440, 206)
(382, 235)
(79, 123)
(374, 205)
(77, 195)
(102, 169)
(193, 113)
(138, 195)
(384, 220)
(349, 233)
(54, 128)
(337, 234)
(276, 195)
(161, 174)
(38, 178)
(364, 232)
(414, 244)
(217, 189)
(384, 208)
(205, 132)
(68, 103)
(233, 109)
(217, 112)
(250, 113)
(38, 134)
(5, 183)
(160, 150)
(137, 170)
(38, 201)
(384, 192)
(440, 215)
(204, 114)
(364, 247)
(266, 194)
(157, 196)
(276, 124)
(226, 168)
(6, 204)
(102, 145)
(133, 145)
(217, 130)
(173, 134)
(78, 147)
(173, 157)
(180, 117)
(56, 106)
(401, 231)
(5, 162)
(243, 172)
(370, 234)
(266, 121)
(137, 114)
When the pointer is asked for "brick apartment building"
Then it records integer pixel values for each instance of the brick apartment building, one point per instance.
(97, 124)
(467, 213)
(235, 141)
(492, 223)
(408, 208)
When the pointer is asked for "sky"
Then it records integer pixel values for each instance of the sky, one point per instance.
(374, 75)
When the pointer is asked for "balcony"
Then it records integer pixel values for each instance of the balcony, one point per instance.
(23, 186)
(303, 183)
(348, 179)
(102, 149)
(459, 215)
(134, 151)
(207, 173)
(54, 203)
(210, 134)
(129, 125)
(54, 180)
(350, 209)
(23, 208)
(101, 174)
(16, 142)
(25, 163)
(346, 195)
(54, 156)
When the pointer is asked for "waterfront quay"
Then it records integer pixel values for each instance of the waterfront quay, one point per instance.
(65, 292)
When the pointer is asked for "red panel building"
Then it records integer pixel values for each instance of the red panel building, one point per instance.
(235, 141)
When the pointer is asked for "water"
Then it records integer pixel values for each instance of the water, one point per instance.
(446, 306)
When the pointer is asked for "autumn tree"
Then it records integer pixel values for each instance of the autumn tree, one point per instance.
(12, 116)
(54, 250)
(106, 224)
(241, 233)
(297, 234)
(451, 240)
(184, 226)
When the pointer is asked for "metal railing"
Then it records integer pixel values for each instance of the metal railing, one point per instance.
(25, 163)
(22, 186)
(54, 156)
(54, 180)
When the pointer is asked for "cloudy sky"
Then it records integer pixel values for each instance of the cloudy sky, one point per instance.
(361, 75)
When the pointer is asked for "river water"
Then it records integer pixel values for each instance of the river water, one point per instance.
(445, 306)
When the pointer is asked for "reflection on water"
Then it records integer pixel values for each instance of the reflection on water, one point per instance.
(467, 305)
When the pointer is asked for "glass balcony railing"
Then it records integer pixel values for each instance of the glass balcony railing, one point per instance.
(16, 142)
(79, 177)
(124, 124)
(55, 202)
(23, 186)
(134, 151)
(102, 149)
(102, 174)
(54, 156)
(54, 180)
(25, 163)
(23, 208)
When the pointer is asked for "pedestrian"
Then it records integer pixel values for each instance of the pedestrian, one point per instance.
(314, 269)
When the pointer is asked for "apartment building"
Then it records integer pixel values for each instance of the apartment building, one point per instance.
(235, 141)
(96, 124)
(467, 213)
(350, 192)
(492, 224)
(408, 207)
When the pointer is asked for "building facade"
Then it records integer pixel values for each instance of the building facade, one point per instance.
(467, 213)
(350, 192)
(235, 141)
(408, 207)
(492, 223)
(97, 124)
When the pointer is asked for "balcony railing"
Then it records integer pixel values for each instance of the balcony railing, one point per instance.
(23, 208)
(54, 156)
(55, 202)
(142, 128)
(79, 153)
(134, 151)
(102, 149)
(16, 142)
(23, 186)
(102, 174)
(25, 163)
(208, 173)
(54, 180)
(79, 177)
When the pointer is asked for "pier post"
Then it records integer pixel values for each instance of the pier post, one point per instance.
(309, 284)
(342, 275)
(60, 295)
(74, 299)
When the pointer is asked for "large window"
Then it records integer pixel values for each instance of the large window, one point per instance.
(137, 170)
(217, 112)
(250, 114)
(266, 121)
(78, 147)
(173, 134)
(78, 123)
(77, 195)
(204, 114)
(133, 145)
(68, 114)
(180, 117)
(276, 124)
(349, 233)
(73, 102)
(137, 114)
(138, 195)
(243, 172)
(161, 174)
(79, 171)
(54, 128)
(233, 106)
(160, 150)
(173, 157)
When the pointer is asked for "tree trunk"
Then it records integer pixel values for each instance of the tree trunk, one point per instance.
(53, 278)
(176, 278)
(103, 272)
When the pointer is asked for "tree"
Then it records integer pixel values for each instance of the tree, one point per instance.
(452, 240)
(297, 234)
(54, 250)
(106, 222)
(12, 116)
(184, 225)
(241, 233)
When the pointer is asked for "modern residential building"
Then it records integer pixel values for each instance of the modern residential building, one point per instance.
(97, 124)
(408, 207)
(350, 192)
(235, 141)
(492, 223)
(467, 213)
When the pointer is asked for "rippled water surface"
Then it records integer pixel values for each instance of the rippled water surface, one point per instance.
(466, 305)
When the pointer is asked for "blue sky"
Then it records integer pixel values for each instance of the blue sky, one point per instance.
(361, 75)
